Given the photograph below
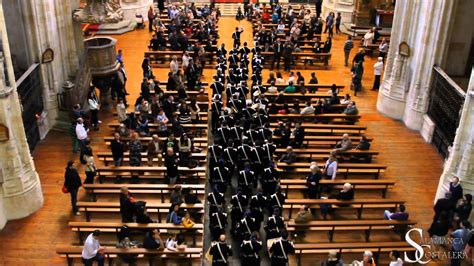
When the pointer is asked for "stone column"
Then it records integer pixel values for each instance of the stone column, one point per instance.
(20, 189)
(392, 95)
(431, 38)
(461, 159)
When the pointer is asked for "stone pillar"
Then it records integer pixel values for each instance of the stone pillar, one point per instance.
(20, 189)
(461, 157)
(392, 95)
(431, 40)
(424, 26)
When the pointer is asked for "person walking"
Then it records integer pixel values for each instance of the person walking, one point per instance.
(72, 182)
(348, 45)
(151, 17)
(378, 67)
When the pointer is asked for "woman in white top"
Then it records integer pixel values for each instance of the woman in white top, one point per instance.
(368, 37)
(281, 27)
(308, 110)
(346, 100)
(291, 79)
(279, 78)
(186, 59)
(330, 168)
(121, 111)
(94, 108)
(171, 243)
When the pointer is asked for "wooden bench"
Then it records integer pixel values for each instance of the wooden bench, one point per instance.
(312, 140)
(114, 207)
(199, 127)
(135, 189)
(304, 97)
(202, 142)
(357, 184)
(352, 247)
(311, 152)
(323, 118)
(344, 169)
(312, 88)
(350, 225)
(358, 204)
(158, 58)
(75, 252)
(330, 128)
(298, 57)
(107, 158)
(114, 227)
(154, 172)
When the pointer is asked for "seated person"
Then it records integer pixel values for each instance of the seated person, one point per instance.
(175, 243)
(142, 216)
(347, 99)
(289, 157)
(364, 144)
(347, 193)
(290, 88)
(345, 144)
(153, 240)
(187, 221)
(401, 215)
(308, 109)
(173, 217)
(272, 88)
(351, 109)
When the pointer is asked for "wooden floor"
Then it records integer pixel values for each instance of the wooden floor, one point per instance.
(414, 163)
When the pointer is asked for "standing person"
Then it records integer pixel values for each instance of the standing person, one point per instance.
(330, 168)
(161, 5)
(288, 56)
(121, 111)
(357, 77)
(319, 4)
(220, 252)
(277, 52)
(329, 23)
(82, 137)
(92, 250)
(348, 45)
(151, 17)
(120, 56)
(135, 147)
(154, 150)
(171, 163)
(94, 108)
(312, 181)
(72, 181)
(338, 23)
(383, 49)
(127, 205)
(117, 147)
(460, 239)
(378, 67)
(236, 36)
(250, 248)
(456, 189)
(281, 249)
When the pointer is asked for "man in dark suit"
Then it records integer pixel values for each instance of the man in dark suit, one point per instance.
(277, 52)
(319, 4)
(445, 204)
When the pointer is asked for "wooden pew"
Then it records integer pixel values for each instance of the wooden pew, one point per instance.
(304, 97)
(115, 125)
(323, 118)
(75, 252)
(311, 141)
(107, 158)
(299, 57)
(159, 189)
(357, 204)
(311, 153)
(349, 226)
(311, 87)
(154, 172)
(330, 128)
(201, 142)
(158, 58)
(114, 207)
(114, 227)
(353, 247)
(357, 184)
(344, 169)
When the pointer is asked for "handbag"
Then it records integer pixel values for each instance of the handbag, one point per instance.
(64, 190)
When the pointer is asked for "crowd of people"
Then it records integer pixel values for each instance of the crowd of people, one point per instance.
(243, 172)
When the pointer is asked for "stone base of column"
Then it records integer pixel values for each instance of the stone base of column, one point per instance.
(413, 119)
(390, 106)
(22, 205)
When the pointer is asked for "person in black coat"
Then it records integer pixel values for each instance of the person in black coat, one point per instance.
(220, 252)
(456, 189)
(72, 181)
(464, 208)
(250, 249)
(299, 135)
(281, 249)
(446, 205)
(127, 205)
(312, 182)
(118, 148)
